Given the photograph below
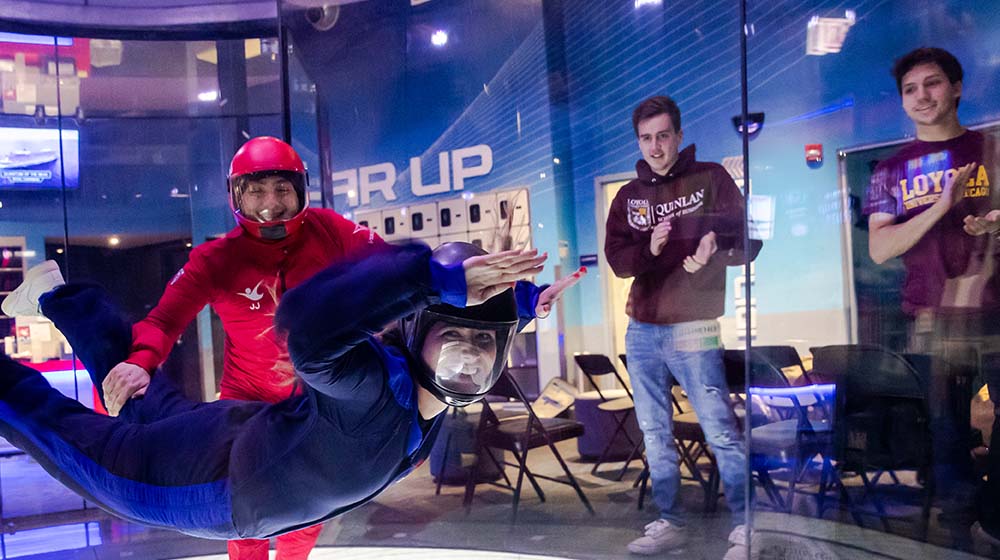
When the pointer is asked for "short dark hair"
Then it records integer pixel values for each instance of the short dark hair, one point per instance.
(927, 55)
(655, 106)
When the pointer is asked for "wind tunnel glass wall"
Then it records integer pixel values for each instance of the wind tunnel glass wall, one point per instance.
(509, 125)
(818, 360)
(870, 281)
(113, 158)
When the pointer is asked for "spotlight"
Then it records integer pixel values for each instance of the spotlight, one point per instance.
(439, 38)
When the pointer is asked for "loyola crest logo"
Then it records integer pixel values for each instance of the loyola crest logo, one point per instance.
(639, 216)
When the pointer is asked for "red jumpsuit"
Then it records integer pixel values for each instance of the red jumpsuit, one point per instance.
(242, 278)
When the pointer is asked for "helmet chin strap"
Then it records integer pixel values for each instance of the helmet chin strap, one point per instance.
(273, 233)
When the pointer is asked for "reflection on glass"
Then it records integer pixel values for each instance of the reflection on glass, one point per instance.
(898, 323)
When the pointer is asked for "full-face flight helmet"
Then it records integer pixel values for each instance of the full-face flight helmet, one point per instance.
(259, 158)
(461, 350)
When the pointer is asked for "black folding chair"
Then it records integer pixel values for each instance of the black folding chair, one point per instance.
(519, 434)
(789, 426)
(622, 409)
(883, 420)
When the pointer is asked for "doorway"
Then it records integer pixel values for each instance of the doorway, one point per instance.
(614, 289)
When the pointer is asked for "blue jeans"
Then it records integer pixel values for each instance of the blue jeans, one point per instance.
(691, 354)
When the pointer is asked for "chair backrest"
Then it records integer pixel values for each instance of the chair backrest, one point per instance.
(735, 366)
(867, 370)
(882, 401)
(505, 387)
(765, 373)
(624, 360)
(596, 365)
(782, 357)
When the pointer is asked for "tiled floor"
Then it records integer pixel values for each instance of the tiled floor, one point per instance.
(409, 515)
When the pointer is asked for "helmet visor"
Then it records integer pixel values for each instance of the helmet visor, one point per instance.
(465, 357)
(268, 196)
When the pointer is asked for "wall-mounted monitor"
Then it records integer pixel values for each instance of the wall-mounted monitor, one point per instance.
(30, 158)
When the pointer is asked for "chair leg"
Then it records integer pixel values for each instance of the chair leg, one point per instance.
(824, 481)
(572, 479)
(470, 482)
(712, 491)
(531, 478)
(642, 481)
(791, 485)
(444, 464)
(770, 488)
(523, 463)
(925, 512)
(846, 499)
(637, 451)
(500, 467)
(892, 475)
(869, 489)
(635, 445)
(607, 448)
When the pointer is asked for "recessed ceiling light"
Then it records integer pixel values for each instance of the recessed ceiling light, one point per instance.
(114, 240)
(439, 38)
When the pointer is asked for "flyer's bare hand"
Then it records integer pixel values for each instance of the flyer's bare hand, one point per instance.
(488, 275)
(551, 295)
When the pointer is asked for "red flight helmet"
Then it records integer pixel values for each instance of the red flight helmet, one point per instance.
(261, 157)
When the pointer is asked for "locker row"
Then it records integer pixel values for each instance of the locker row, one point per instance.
(482, 214)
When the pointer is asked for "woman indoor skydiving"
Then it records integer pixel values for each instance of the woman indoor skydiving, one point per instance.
(368, 416)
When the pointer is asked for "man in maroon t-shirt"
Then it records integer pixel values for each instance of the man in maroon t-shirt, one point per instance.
(934, 205)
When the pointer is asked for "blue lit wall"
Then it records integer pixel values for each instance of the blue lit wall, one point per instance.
(608, 55)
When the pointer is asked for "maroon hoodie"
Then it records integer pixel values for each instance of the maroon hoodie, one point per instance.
(697, 197)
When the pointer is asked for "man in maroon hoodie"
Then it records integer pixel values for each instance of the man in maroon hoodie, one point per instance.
(675, 229)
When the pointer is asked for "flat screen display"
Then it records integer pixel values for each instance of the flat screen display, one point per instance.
(30, 158)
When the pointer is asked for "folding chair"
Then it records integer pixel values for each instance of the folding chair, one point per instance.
(782, 357)
(520, 434)
(789, 426)
(622, 409)
(883, 420)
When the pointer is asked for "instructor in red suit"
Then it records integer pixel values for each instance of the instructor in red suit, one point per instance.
(278, 243)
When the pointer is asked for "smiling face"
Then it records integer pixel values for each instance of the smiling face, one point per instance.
(659, 142)
(929, 99)
(462, 358)
(269, 199)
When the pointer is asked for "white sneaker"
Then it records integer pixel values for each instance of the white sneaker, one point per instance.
(660, 535)
(738, 542)
(980, 534)
(23, 301)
